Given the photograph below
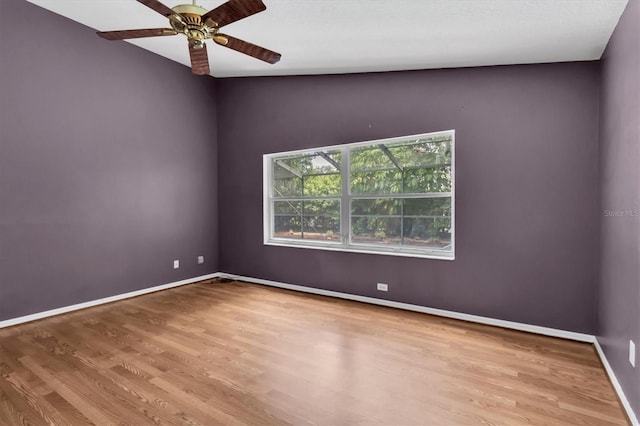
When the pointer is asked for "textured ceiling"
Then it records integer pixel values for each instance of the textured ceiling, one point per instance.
(346, 36)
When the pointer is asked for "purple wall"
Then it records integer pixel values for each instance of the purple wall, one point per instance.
(526, 159)
(104, 179)
(619, 286)
(103, 182)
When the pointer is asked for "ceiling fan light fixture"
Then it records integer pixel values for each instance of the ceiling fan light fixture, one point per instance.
(189, 9)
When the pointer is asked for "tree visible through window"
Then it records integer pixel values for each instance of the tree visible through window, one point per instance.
(393, 196)
(306, 196)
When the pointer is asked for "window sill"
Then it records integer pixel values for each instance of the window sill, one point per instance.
(390, 251)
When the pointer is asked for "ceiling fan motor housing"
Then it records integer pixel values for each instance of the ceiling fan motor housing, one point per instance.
(189, 22)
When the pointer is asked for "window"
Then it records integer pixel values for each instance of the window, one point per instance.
(391, 196)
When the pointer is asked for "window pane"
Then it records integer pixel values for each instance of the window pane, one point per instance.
(376, 207)
(373, 172)
(322, 185)
(427, 232)
(321, 162)
(307, 219)
(321, 228)
(370, 157)
(427, 206)
(286, 226)
(321, 174)
(433, 179)
(287, 207)
(376, 230)
(427, 222)
(376, 182)
(424, 152)
(315, 174)
(412, 166)
(423, 222)
(287, 219)
(321, 220)
(321, 208)
(287, 181)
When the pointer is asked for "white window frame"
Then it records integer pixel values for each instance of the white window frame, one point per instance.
(345, 206)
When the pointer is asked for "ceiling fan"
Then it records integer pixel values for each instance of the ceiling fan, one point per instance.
(199, 25)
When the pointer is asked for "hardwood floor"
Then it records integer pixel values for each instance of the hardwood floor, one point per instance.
(236, 353)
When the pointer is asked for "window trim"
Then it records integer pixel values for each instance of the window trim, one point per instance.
(345, 211)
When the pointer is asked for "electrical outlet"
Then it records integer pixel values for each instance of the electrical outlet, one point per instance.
(176, 264)
(632, 353)
(383, 287)
(200, 260)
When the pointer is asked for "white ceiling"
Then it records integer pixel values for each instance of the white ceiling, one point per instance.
(345, 36)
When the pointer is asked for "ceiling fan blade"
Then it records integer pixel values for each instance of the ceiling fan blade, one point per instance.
(124, 34)
(247, 48)
(199, 59)
(158, 7)
(232, 11)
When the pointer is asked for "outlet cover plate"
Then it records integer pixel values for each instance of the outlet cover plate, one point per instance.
(200, 260)
(383, 287)
(632, 353)
(176, 264)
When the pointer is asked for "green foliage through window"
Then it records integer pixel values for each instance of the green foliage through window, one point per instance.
(393, 193)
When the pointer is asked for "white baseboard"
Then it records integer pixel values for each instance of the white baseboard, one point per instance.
(588, 338)
(616, 384)
(406, 306)
(65, 309)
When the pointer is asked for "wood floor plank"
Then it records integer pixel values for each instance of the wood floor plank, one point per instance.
(14, 409)
(69, 412)
(41, 406)
(90, 409)
(236, 353)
